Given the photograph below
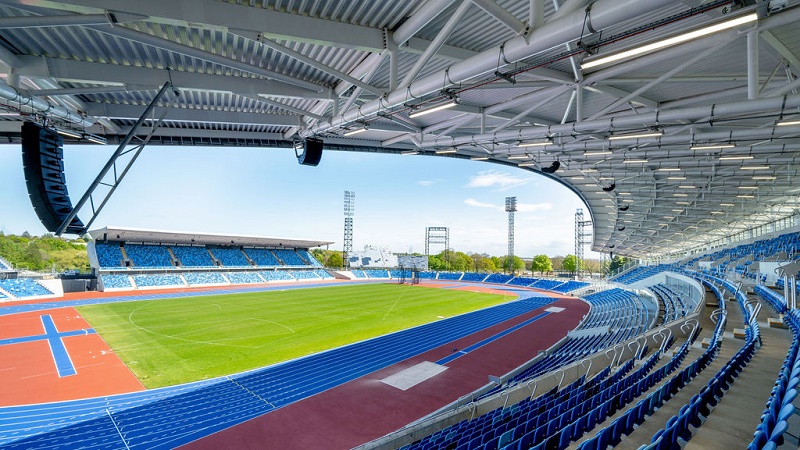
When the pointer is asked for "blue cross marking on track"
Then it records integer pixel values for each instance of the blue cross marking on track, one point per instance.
(54, 340)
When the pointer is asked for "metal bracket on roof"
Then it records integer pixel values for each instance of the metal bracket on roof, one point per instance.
(112, 162)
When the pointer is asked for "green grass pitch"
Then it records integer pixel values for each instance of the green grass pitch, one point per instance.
(173, 341)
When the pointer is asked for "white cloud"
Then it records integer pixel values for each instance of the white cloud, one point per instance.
(499, 180)
(425, 182)
(473, 202)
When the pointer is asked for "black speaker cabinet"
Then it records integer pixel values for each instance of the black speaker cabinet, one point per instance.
(312, 152)
(43, 164)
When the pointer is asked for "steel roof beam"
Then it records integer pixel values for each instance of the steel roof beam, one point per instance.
(89, 72)
(165, 44)
(509, 20)
(776, 44)
(132, 112)
(605, 13)
(437, 42)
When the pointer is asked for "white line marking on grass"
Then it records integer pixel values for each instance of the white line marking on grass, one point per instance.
(396, 301)
(130, 320)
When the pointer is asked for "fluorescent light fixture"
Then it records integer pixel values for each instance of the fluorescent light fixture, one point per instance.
(446, 151)
(754, 168)
(667, 217)
(448, 104)
(69, 133)
(610, 206)
(623, 193)
(686, 187)
(526, 164)
(588, 170)
(682, 203)
(678, 194)
(409, 152)
(788, 123)
(727, 204)
(535, 144)
(748, 188)
(479, 158)
(355, 131)
(765, 178)
(745, 196)
(735, 157)
(597, 153)
(677, 210)
(669, 42)
(711, 146)
(95, 139)
(648, 134)
(634, 161)
(716, 212)
(676, 178)
(627, 200)
(669, 169)
(577, 178)
(606, 178)
(523, 156)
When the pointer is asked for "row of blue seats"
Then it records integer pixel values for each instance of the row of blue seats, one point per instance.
(23, 288)
(780, 406)
(118, 281)
(674, 305)
(621, 311)
(491, 430)
(169, 423)
(558, 423)
(703, 402)
(158, 256)
(624, 425)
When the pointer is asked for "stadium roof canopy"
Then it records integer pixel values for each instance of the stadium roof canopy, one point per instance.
(180, 237)
(528, 80)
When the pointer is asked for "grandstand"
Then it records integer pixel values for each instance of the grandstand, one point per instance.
(149, 259)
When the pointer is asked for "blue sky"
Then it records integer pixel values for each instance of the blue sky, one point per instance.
(265, 192)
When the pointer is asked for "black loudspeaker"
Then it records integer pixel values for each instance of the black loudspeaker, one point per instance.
(312, 152)
(552, 169)
(43, 164)
(610, 188)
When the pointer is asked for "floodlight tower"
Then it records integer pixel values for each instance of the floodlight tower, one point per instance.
(349, 212)
(511, 208)
(581, 239)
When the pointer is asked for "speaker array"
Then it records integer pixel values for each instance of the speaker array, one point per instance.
(43, 165)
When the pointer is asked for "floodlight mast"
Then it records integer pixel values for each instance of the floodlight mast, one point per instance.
(581, 239)
(511, 208)
(349, 212)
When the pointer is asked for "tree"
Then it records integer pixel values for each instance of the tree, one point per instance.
(486, 265)
(570, 263)
(593, 265)
(541, 264)
(616, 263)
(514, 265)
(436, 263)
(319, 255)
(335, 260)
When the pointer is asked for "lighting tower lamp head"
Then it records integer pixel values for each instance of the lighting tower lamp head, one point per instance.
(511, 204)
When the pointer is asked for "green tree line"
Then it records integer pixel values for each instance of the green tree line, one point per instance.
(44, 252)
(457, 261)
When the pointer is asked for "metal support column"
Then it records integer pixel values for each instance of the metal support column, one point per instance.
(112, 162)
